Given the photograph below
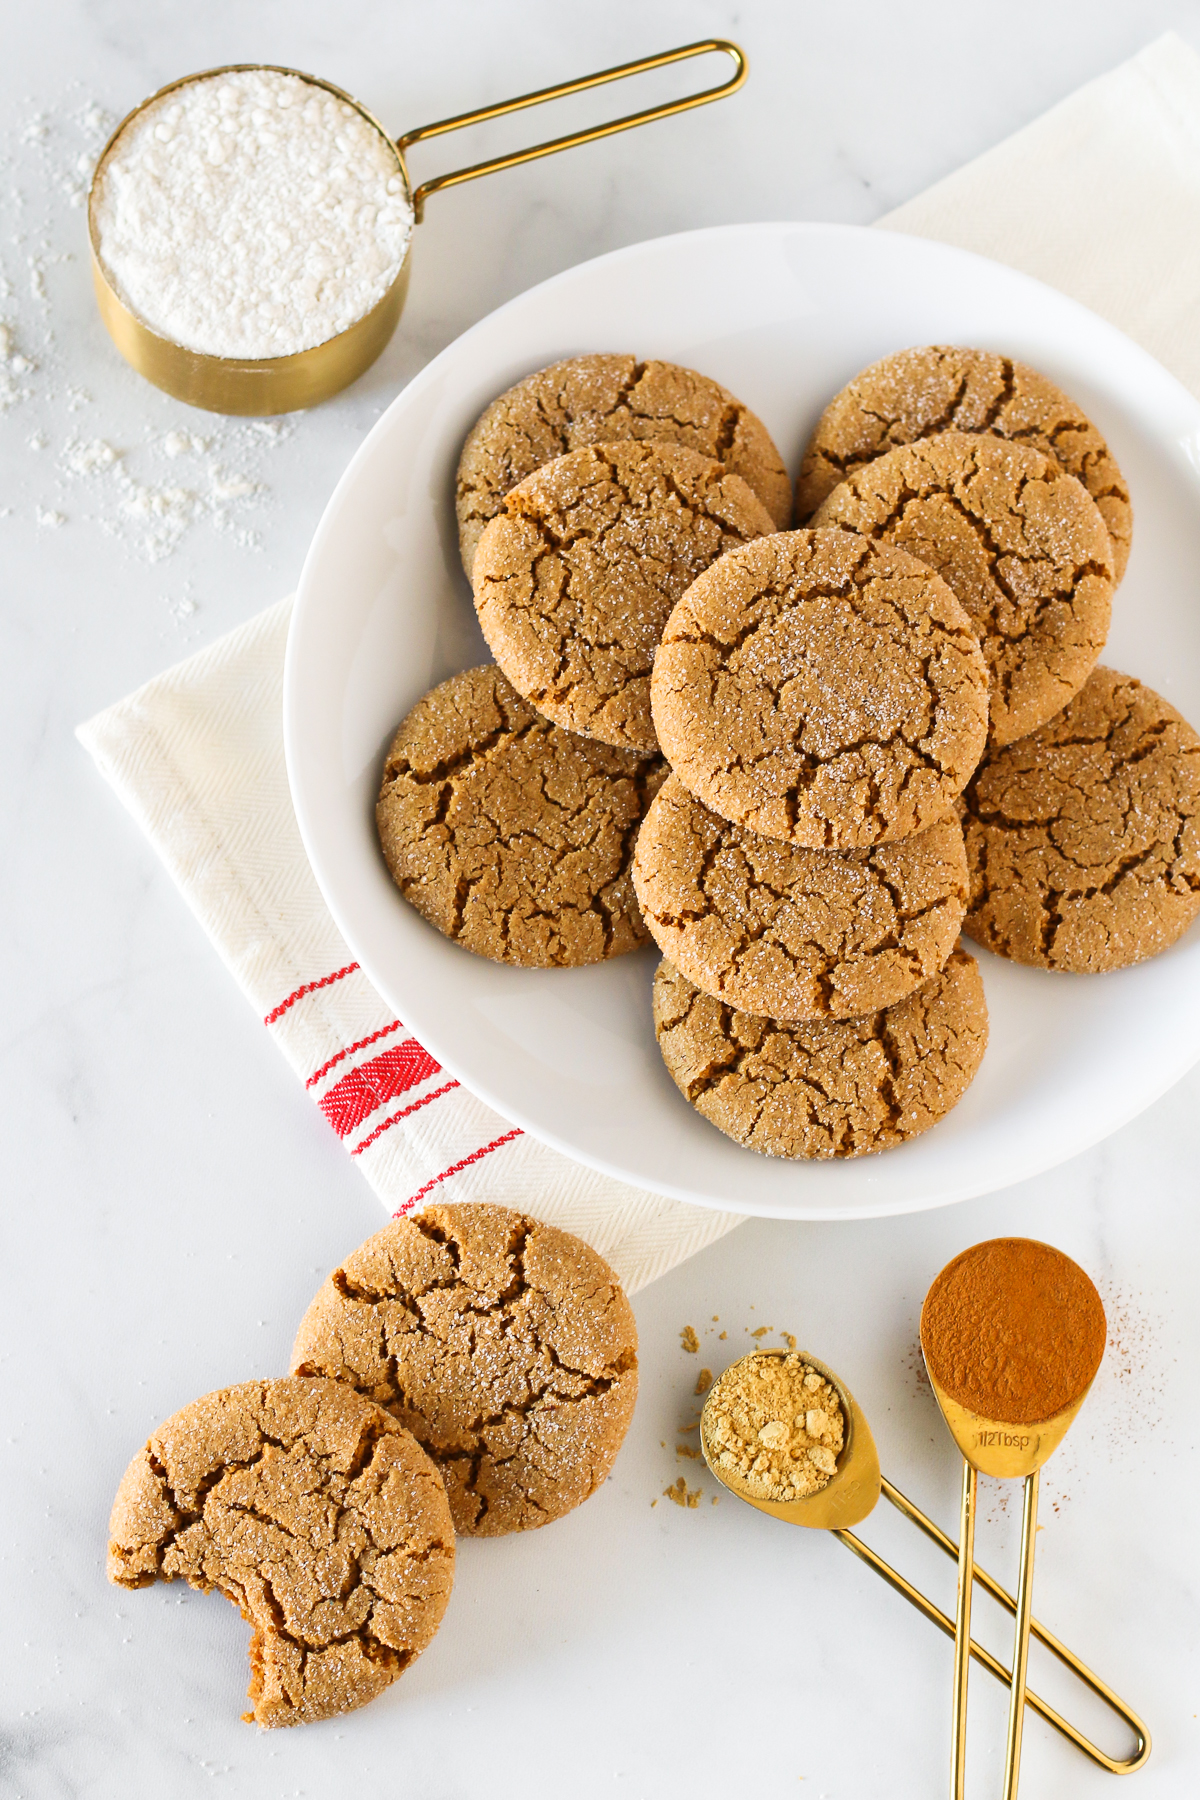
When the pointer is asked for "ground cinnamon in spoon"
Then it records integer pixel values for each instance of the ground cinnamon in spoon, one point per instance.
(1014, 1330)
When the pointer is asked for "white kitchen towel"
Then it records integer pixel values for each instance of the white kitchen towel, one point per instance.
(197, 757)
(1101, 198)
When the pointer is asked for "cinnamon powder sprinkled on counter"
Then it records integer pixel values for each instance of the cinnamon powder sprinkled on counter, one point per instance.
(1013, 1330)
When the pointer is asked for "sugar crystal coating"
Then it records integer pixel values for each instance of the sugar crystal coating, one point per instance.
(315, 1513)
(1022, 546)
(937, 387)
(596, 400)
(1084, 838)
(835, 1087)
(575, 578)
(820, 688)
(513, 836)
(505, 1345)
(792, 933)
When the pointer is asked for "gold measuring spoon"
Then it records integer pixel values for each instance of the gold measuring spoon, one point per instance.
(851, 1495)
(279, 384)
(999, 1314)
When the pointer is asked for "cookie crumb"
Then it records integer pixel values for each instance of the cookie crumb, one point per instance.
(788, 1339)
(689, 1340)
(762, 1331)
(703, 1381)
(690, 1451)
(722, 1334)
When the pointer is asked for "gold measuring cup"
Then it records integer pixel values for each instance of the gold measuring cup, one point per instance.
(851, 1495)
(1010, 1320)
(1012, 1453)
(280, 384)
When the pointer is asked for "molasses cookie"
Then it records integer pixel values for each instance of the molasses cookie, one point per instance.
(510, 835)
(1084, 838)
(598, 400)
(575, 578)
(505, 1346)
(792, 933)
(917, 393)
(842, 1087)
(820, 688)
(1020, 543)
(315, 1513)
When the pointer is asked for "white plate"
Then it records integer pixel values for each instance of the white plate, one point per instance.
(784, 315)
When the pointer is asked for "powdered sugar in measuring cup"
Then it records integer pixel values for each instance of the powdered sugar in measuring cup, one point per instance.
(251, 213)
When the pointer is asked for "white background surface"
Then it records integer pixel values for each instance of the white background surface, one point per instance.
(170, 1194)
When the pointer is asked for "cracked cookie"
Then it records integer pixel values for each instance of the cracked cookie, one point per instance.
(844, 1087)
(513, 836)
(1020, 543)
(505, 1346)
(576, 576)
(820, 688)
(315, 1513)
(1084, 838)
(791, 933)
(938, 387)
(600, 399)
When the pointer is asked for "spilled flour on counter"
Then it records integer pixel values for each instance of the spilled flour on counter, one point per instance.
(114, 454)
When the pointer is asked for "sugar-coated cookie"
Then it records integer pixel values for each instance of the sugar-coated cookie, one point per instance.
(513, 836)
(820, 688)
(575, 577)
(939, 387)
(1021, 544)
(776, 929)
(596, 400)
(837, 1087)
(1084, 838)
(317, 1514)
(505, 1346)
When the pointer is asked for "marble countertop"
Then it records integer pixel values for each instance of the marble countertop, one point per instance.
(171, 1195)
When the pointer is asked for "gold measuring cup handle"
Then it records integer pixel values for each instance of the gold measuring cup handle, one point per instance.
(563, 88)
(1024, 1616)
(962, 1632)
(912, 1512)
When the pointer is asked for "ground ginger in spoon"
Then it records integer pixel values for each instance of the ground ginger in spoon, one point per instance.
(776, 1425)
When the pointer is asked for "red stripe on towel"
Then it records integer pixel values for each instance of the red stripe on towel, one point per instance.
(402, 1114)
(349, 1101)
(310, 987)
(456, 1169)
(343, 1054)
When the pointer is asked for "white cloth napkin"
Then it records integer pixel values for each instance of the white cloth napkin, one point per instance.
(1101, 197)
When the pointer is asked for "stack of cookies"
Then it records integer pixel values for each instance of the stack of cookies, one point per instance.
(802, 761)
